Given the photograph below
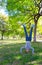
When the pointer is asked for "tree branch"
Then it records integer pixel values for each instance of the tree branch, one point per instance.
(36, 3)
(29, 20)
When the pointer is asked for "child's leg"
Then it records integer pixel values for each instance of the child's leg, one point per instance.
(26, 34)
(30, 36)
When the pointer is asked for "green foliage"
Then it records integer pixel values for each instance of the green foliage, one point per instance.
(20, 10)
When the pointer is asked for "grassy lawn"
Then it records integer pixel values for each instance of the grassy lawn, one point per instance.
(9, 54)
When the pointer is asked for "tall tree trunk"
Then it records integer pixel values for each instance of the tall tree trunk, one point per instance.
(36, 17)
(35, 31)
(2, 35)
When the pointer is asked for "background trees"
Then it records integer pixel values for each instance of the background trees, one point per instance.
(25, 11)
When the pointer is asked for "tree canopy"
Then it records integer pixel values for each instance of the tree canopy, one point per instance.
(25, 11)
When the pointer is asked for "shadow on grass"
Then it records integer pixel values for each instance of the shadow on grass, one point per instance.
(10, 55)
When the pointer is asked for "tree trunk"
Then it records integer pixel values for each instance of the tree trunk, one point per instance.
(2, 36)
(36, 17)
(35, 31)
(2, 33)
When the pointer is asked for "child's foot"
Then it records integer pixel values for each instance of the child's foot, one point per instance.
(33, 25)
(24, 25)
(19, 22)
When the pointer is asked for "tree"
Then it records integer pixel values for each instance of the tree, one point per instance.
(25, 11)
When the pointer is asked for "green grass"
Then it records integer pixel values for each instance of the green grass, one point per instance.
(9, 55)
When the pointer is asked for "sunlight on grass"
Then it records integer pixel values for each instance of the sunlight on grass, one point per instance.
(2, 42)
(18, 57)
(33, 62)
(40, 54)
(0, 47)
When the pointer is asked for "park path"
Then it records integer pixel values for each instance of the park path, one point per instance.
(14, 41)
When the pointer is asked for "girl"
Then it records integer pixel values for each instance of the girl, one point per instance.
(27, 46)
